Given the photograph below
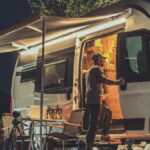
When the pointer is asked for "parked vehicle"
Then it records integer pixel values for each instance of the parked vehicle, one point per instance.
(121, 33)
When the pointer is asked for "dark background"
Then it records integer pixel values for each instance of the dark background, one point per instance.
(13, 12)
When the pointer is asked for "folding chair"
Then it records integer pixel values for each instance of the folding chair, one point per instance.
(70, 130)
(6, 124)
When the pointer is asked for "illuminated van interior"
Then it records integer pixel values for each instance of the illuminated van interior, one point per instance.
(107, 47)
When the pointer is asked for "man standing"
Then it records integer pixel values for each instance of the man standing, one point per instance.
(94, 80)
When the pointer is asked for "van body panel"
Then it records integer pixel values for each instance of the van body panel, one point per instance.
(135, 103)
(133, 55)
(23, 93)
(137, 21)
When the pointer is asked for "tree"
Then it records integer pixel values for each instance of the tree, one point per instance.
(71, 8)
(48, 7)
(81, 7)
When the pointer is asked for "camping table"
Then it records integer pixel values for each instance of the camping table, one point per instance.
(48, 123)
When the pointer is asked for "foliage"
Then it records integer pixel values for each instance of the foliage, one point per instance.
(66, 7)
(47, 7)
(82, 7)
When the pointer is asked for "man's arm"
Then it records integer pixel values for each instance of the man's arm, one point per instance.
(108, 81)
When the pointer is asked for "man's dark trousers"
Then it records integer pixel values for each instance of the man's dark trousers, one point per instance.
(93, 110)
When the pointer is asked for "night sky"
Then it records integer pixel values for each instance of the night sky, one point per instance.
(13, 12)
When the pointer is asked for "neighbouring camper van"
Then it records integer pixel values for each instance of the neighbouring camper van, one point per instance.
(120, 32)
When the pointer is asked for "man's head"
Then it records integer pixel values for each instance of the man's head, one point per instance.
(98, 59)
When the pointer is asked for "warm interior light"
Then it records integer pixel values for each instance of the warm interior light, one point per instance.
(107, 47)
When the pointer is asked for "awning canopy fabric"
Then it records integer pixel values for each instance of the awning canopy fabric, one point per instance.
(30, 34)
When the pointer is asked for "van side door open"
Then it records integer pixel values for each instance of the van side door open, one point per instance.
(133, 64)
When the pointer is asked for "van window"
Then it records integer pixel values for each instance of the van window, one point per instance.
(137, 60)
(55, 74)
(58, 72)
(133, 54)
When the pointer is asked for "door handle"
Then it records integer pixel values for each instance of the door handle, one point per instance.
(124, 86)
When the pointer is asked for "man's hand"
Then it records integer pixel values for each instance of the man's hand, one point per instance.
(121, 81)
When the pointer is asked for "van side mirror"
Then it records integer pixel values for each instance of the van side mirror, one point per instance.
(123, 87)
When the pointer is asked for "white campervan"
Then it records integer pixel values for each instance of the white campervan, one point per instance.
(121, 33)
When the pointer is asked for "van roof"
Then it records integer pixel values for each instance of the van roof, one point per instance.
(28, 33)
(142, 5)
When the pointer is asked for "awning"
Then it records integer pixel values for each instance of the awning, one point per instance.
(30, 34)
